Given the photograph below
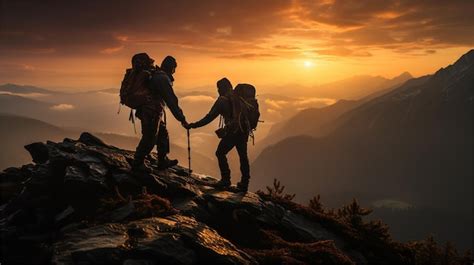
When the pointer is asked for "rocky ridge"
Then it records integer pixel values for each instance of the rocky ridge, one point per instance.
(79, 203)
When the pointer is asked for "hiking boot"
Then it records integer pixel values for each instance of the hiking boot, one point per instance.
(166, 163)
(222, 184)
(243, 186)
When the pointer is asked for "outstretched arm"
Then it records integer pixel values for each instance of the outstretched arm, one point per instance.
(212, 115)
(166, 91)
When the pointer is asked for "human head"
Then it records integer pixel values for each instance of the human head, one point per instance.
(169, 65)
(224, 86)
(142, 61)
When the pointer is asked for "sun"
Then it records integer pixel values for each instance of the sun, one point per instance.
(308, 64)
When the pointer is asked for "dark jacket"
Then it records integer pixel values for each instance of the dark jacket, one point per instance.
(161, 86)
(222, 106)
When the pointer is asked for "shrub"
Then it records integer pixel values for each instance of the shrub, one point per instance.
(277, 192)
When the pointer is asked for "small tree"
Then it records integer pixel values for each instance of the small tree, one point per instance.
(316, 205)
(277, 192)
(353, 213)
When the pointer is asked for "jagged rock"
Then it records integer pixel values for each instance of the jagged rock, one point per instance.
(91, 140)
(84, 198)
(10, 183)
(174, 240)
(39, 152)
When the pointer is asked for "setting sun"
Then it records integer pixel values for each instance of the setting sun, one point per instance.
(308, 64)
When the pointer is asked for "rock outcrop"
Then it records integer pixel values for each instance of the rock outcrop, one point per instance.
(80, 203)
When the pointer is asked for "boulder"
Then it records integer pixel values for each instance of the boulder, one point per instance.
(174, 240)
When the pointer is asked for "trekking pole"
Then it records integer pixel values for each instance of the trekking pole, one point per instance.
(189, 154)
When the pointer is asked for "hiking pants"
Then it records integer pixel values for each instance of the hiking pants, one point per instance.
(154, 132)
(226, 144)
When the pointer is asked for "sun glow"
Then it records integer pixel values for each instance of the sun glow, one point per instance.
(308, 64)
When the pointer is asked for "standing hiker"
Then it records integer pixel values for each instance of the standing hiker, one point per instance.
(152, 88)
(238, 115)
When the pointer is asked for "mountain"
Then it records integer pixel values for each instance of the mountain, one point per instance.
(413, 144)
(80, 203)
(357, 87)
(19, 89)
(18, 131)
(299, 124)
(427, 112)
(22, 105)
(352, 88)
(323, 119)
(322, 116)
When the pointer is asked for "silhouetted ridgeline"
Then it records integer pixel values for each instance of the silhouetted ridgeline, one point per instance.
(413, 145)
(80, 204)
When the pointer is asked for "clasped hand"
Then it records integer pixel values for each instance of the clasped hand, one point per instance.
(188, 126)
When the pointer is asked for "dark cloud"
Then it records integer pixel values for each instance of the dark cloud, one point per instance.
(98, 25)
(249, 56)
(232, 29)
(412, 23)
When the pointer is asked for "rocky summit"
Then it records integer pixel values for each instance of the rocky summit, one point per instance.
(80, 203)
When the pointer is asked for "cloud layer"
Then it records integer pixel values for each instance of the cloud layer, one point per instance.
(235, 29)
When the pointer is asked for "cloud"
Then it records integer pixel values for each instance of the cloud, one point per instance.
(313, 102)
(63, 107)
(234, 29)
(249, 56)
(276, 104)
(275, 108)
(112, 50)
(224, 30)
(197, 99)
(342, 51)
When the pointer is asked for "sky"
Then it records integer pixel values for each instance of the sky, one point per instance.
(83, 45)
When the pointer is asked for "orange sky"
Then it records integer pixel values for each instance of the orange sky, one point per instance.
(87, 45)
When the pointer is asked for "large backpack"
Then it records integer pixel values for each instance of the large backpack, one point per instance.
(135, 90)
(245, 111)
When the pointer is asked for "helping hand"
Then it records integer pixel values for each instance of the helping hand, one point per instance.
(185, 124)
(190, 126)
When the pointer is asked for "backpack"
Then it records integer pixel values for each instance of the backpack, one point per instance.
(135, 91)
(245, 110)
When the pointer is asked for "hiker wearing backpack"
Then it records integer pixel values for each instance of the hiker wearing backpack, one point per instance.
(148, 89)
(239, 110)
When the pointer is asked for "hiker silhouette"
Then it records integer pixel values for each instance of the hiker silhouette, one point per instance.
(148, 89)
(233, 131)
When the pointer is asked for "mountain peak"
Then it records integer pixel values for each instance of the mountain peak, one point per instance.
(22, 89)
(401, 78)
(462, 64)
(405, 75)
(84, 191)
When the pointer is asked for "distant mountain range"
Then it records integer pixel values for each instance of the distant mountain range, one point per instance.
(358, 87)
(352, 88)
(412, 145)
(321, 117)
(414, 142)
(19, 89)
